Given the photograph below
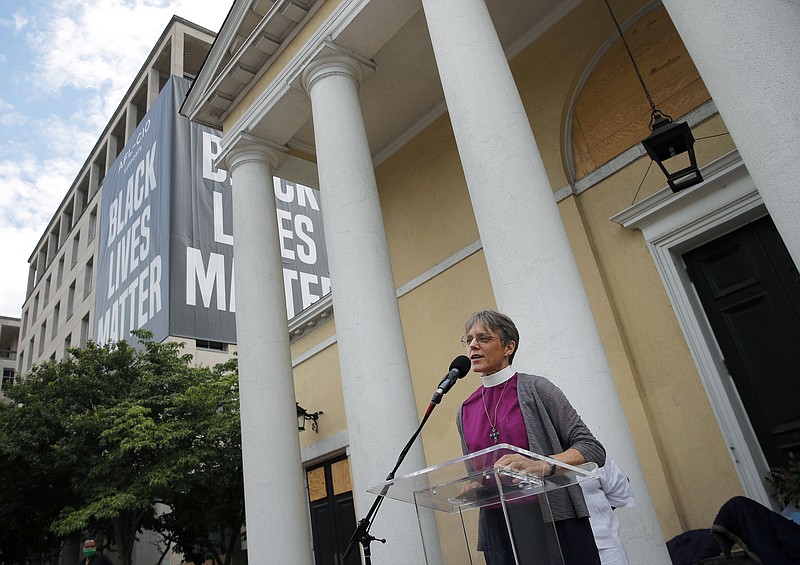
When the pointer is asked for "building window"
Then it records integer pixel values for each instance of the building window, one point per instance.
(24, 324)
(67, 345)
(88, 275)
(70, 299)
(42, 334)
(76, 245)
(8, 378)
(60, 272)
(56, 315)
(35, 308)
(84, 330)
(46, 296)
(610, 115)
(211, 345)
(93, 224)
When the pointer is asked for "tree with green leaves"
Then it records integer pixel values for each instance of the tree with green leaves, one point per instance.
(109, 432)
(206, 521)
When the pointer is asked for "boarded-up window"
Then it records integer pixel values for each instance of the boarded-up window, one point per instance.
(611, 113)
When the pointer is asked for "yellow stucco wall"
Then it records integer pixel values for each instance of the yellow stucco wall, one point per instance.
(663, 398)
(426, 208)
(685, 461)
(318, 384)
(643, 340)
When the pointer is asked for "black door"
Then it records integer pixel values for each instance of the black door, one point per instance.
(750, 291)
(333, 518)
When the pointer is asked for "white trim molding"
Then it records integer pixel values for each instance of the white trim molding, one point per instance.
(673, 224)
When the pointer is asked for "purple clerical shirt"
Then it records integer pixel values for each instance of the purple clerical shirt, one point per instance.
(501, 400)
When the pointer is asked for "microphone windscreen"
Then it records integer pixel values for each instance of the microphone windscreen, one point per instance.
(462, 364)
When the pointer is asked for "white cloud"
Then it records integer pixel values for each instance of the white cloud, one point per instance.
(114, 39)
(32, 190)
(84, 56)
(17, 21)
(10, 117)
(15, 260)
(20, 21)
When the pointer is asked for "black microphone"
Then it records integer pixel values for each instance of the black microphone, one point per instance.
(458, 368)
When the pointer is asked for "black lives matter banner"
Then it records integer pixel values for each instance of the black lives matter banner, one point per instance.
(165, 259)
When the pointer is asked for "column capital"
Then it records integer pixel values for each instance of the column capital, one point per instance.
(247, 150)
(330, 65)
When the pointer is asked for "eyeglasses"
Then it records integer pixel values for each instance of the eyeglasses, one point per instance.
(483, 339)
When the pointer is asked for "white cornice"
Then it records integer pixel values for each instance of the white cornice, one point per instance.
(212, 80)
(291, 73)
(200, 91)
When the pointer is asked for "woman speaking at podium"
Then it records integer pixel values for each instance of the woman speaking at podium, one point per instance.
(529, 412)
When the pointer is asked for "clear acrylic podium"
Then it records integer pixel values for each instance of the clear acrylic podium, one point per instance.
(515, 506)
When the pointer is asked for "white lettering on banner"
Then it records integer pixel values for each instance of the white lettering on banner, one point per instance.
(134, 286)
(285, 234)
(307, 297)
(140, 184)
(137, 303)
(208, 280)
(211, 150)
(304, 227)
(311, 288)
(288, 277)
(131, 248)
(219, 223)
(305, 194)
(133, 151)
(208, 271)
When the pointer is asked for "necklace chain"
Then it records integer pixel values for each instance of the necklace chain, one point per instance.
(494, 435)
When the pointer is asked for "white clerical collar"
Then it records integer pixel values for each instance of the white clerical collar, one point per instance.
(499, 377)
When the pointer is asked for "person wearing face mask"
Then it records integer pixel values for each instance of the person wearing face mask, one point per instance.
(530, 412)
(90, 555)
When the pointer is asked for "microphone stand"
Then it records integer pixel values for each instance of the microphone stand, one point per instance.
(362, 535)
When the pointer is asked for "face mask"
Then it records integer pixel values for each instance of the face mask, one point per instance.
(89, 552)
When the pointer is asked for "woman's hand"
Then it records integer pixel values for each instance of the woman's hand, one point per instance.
(521, 464)
(468, 489)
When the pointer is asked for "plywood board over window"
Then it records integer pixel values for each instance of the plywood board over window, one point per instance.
(611, 113)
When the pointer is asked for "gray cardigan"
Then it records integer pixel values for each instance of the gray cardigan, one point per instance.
(553, 426)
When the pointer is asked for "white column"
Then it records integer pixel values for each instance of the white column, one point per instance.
(153, 86)
(112, 147)
(176, 53)
(746, 53)
(376, 382)
(41, 265)
(31, 280)
(533, 271)
(131, 120)
(94, 181)
(274, 487)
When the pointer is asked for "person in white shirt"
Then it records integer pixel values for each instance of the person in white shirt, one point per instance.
(612, 489)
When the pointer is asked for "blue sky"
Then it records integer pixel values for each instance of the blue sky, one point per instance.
(64, 67)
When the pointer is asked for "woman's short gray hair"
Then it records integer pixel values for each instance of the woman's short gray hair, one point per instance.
(499, 323)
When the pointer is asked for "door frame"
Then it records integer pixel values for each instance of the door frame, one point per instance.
(673, 224)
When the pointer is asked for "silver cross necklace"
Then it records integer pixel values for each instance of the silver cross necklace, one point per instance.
(494, 435)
